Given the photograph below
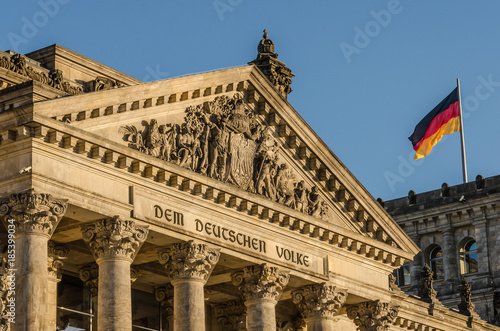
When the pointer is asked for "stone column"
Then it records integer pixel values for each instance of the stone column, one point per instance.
(372, 315)
(31, 219)
(450, 257)
(56, 255)
(416, 267)
(318, 304)
(165, 296)
(261, 286)
(189, 265)
(231, 315)
(114, 244)
(89, 275)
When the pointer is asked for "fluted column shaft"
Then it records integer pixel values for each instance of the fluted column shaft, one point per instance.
(189, 304)
(31, 287)
(31, 219)
(261, 286)
(114, 244)
(189, 265)
(261, 314)
(114, 300)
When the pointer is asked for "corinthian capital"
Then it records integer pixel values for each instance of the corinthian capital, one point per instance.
(165, 296)
(319, 300)
(188, 260)
(55, 258)
(32, 212)
(260, 282)
(89, 275)
(231, 315)
(372, 315)
(113, 237)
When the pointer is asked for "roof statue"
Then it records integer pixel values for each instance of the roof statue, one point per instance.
(276, 71)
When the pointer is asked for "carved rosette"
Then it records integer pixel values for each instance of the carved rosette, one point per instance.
(188, 260)
(260, 282)
(32, 212)
(372, 315)
(319, 300)
(165, 296)
(231, 315)
(90, 277)
(55, 260)
(113, 237)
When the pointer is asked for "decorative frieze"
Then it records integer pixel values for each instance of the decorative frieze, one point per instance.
(90, 277)
(319, 300)
(17, 63)
(32, 212)
(113, 237)
(260, 282)
(56, 256)
(231, 315)
(372, 315)
(188, 260)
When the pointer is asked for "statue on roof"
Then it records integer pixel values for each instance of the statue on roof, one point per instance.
(276, 71)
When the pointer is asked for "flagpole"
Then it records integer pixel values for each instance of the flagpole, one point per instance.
(462, 140)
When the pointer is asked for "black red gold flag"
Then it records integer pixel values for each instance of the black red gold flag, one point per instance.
(443, 119)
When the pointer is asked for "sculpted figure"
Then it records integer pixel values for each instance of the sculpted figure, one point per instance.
(300, 195)
(196, 151)
(185, 142)
(57, 79)
(219, 138)
(153, 139)
(314, 202)
(284, 186)
(202, 168)
(265, 184)
(167, 139)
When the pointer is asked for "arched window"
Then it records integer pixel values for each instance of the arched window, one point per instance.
(436, 262)
(403, 275)
(468, 257)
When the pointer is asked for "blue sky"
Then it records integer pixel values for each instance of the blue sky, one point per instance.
(366, 71)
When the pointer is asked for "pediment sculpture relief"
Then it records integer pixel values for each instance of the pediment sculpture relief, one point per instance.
(17, 63)
(224, 140)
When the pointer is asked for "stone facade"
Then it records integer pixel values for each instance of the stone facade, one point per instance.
(461, 222)
(202, 202)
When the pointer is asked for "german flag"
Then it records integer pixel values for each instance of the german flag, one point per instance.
(443, 119)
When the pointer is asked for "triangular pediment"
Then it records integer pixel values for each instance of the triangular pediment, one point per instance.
(234, 127)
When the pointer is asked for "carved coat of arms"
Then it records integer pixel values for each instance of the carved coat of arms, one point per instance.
(223, 140)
